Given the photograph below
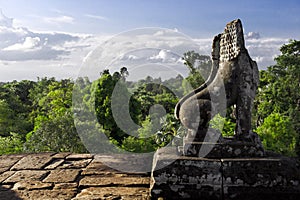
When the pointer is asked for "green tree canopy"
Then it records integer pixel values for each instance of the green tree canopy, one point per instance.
(279, 93)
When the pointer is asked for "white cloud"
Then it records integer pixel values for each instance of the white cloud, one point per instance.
(98, 17)
(252, 35)
(26, 54)
(23, 44)
(20, 44)
(165, 56)
(264, 50)
(30, 43)
(63, 19)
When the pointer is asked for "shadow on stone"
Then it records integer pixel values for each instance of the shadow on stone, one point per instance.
(7, 194)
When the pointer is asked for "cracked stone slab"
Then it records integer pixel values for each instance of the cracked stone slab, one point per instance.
(33, 161)
(5, 175)
(106, 181)
(8, 161)
(65, 186)
(28, 175)
(55, 163)
(75, 164)
(46, 194)
(62, 176)
(113, 193)
(98, 168)
(32, 185)
(61, 155)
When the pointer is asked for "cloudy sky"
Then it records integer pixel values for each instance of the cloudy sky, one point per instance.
(53, 38)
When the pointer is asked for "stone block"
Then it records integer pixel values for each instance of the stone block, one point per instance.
(54, 163)
(261, 178)
(97, 181)
(186, 177)
(75, 164)
(5, 175)
(61, 155)
(7, 161)
(33, 161)
(96, 167)
(79, 156)
(45, 194)
(65, 186)
(62, 176)
(32, 185)
(131, 163)
(28, 175)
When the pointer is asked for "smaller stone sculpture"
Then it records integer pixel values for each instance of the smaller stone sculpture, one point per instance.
(233, 73)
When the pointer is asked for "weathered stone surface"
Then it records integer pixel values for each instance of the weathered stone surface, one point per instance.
(113, 193)
(98, 164)
(79, 156)
(261, 178)
(32, 185)
(60, 155)
(5, 175)
(130, 163)
(96, 167)
(8, 195)
(186, 178)
(46, 194)
(33, 161)
(62, 176)
(71, 164)
(7, 161)
(48, 181)
(224, 149)
(114, 180)
(28, 175)
(3, 169)
(231, 178)
(55, 163)
(65, 186)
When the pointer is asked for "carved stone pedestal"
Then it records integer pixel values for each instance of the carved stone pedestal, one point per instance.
(231, 178)
(227, 149)
(211, 144)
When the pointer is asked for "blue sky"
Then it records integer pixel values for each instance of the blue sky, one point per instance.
(274, 21)
(195, 17)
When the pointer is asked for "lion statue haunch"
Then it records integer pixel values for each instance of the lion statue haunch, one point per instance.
(233, 81)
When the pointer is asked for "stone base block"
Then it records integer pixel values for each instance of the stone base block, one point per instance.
(226, 149)
(181, 177)
(185, 177)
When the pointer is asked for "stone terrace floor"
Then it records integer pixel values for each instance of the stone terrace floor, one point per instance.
(67, 176)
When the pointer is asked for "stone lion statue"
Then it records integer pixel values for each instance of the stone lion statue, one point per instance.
(233, 81)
